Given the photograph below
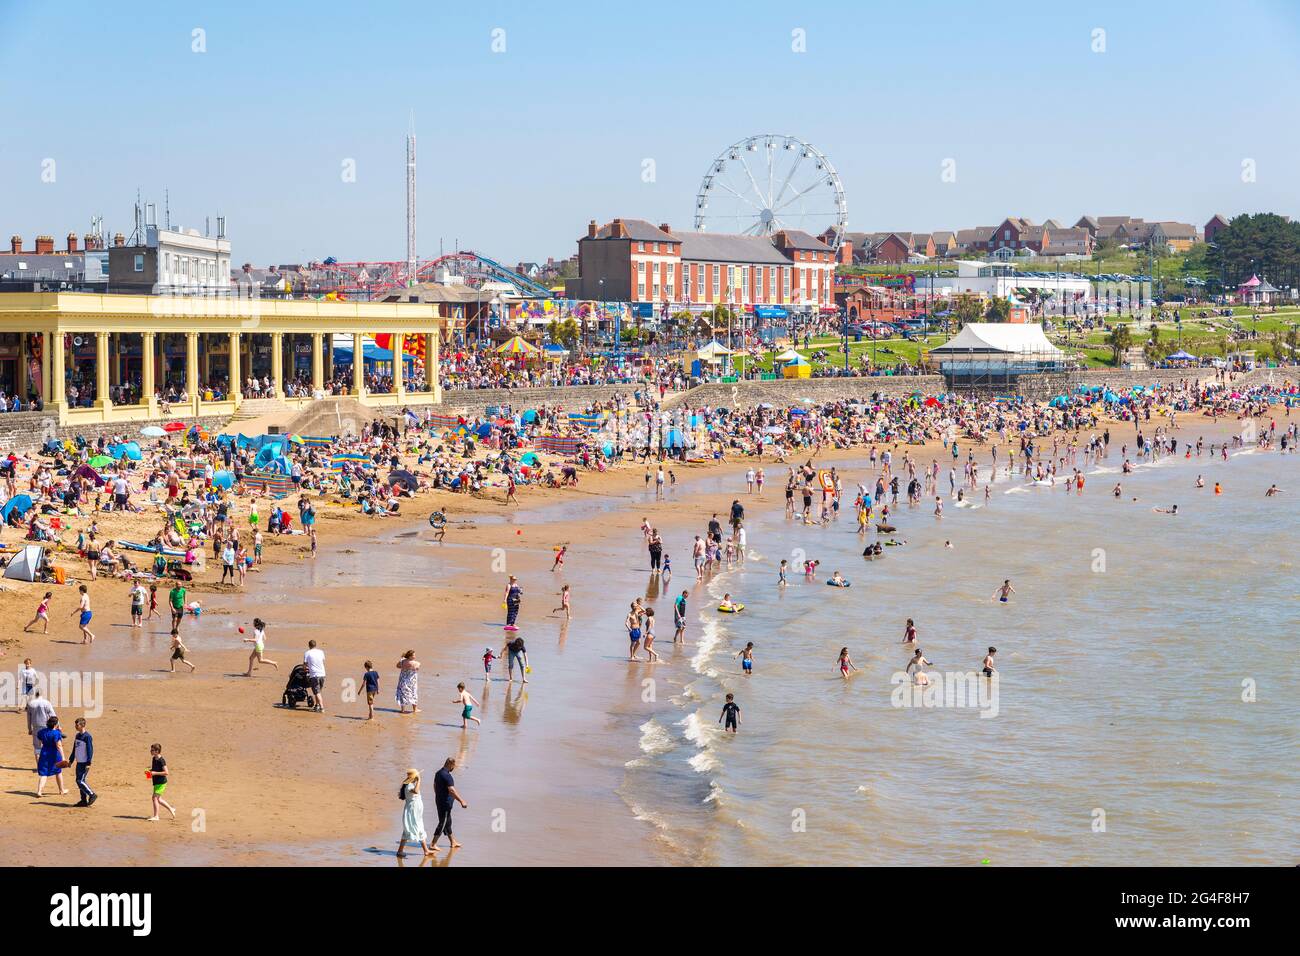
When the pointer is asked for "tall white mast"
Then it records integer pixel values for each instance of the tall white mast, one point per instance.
(410, 204)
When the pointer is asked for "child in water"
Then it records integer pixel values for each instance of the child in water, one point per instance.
(730, 713)
(846, 663)
(746, 655)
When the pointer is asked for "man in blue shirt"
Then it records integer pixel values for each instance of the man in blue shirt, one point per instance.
(83, 752)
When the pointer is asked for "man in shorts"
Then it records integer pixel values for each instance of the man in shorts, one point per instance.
(315, 661)
(176, 597)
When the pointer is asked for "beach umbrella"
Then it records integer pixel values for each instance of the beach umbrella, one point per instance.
(174, 427)
(403, 477)
(152, 431)
(223, 479)
(99, 461)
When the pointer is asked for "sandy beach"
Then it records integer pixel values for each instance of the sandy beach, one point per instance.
(256, 783)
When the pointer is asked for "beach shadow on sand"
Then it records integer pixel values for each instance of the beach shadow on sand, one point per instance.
(414, 857)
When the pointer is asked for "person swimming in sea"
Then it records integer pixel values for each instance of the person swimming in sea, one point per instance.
(1171, 510)
(847, 667)
(918, 661)
(837, 580)
(909, 632)
(1003, 593)
(989, 669)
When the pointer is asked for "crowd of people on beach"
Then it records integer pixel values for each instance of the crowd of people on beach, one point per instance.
(191, 494)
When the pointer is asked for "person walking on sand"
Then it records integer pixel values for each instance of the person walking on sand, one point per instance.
(412, 816)
(370, 680)
(258, 640)
(42, 614)
(138, 597)
(179, 650)
(157, 774)
(513, 596)
(83, 754)
(176, 598)
(467, 705)
(408, 683)
(50, 762)
(314, 658)
(445, 796)
(84, 615)
(27, 680)
(679, 618)
(1004, 592)
(39, 711)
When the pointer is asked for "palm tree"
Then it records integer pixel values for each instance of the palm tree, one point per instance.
(1120, 340)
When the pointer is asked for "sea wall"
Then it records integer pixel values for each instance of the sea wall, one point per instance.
(26, 431)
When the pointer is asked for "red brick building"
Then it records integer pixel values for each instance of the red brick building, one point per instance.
(1217, 222)
(631, 260)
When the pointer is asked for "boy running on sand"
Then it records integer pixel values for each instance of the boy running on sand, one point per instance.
(179, 651)
(467, 702)
(83, 609)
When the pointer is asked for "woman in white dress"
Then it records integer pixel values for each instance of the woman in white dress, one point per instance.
(413, 815)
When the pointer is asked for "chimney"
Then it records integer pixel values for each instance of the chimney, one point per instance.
(666, 228)
(846, 253)
(72, 242)
(92, 241)
(16, 244)
(617, 230)
(44, 245)
(119, 239)
(591, 229)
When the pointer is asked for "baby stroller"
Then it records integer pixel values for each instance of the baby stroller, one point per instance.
(298, 690)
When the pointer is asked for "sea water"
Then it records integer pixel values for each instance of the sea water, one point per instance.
(1145, 710)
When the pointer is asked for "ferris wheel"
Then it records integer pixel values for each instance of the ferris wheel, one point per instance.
(767, 183)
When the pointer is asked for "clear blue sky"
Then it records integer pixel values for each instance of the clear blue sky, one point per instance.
(519, 149)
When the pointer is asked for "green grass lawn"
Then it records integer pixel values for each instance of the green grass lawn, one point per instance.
(887, 352)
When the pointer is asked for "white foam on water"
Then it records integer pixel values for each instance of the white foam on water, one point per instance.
(712, 634)
(655, 738)
(698, 731)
